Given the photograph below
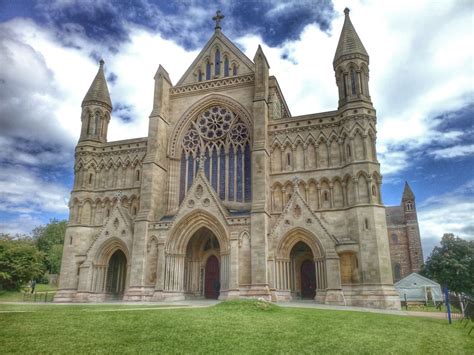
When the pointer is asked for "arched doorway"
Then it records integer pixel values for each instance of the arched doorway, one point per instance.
(116, 274)
(212, 278)
(202, 265)
(303, 272)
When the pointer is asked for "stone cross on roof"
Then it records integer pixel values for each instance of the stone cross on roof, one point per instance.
(218, 19)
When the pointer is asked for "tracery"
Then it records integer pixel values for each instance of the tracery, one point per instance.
(220, 137)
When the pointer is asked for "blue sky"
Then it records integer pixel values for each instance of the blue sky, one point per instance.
(421, 83)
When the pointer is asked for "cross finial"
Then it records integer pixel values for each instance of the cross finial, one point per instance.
(201, 160)
(218, 19)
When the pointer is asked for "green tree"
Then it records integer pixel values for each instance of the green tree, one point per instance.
(452, 264)
(49, 240)
(20, 262)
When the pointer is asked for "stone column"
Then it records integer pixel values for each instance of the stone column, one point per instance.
(334, 294)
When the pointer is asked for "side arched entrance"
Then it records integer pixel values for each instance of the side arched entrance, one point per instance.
(300, 271)
(116, 275)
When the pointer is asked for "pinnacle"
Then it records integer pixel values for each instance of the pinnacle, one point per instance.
(98, 90)
(408, 193)
(349, 41)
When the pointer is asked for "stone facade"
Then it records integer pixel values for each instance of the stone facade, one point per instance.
(404, 240)
(289, 206)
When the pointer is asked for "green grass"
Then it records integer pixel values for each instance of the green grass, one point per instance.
(229, 327)
(19, 296)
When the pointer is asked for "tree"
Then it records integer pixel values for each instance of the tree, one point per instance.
(20, 262)
(452, 264)
(50, 239)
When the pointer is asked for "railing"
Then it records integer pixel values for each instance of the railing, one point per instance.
(38, 296)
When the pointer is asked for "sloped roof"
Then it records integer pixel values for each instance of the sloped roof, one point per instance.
(98, 90)
(349, 41)
(218, 38)
(415, 280)
(408, 193)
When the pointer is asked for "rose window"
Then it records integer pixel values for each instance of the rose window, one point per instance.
(224, 139)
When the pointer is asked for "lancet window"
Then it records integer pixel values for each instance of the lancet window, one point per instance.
(222, 139)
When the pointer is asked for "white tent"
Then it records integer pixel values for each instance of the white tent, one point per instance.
(417, 288)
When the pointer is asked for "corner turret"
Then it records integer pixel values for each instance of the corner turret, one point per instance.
(96, 109)
(351, 65)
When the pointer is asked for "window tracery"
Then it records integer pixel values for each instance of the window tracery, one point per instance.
(223, 138)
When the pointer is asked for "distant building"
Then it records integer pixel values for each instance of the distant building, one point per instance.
(404, 236)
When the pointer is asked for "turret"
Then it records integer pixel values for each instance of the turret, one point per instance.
(351, 65)
(96, 109)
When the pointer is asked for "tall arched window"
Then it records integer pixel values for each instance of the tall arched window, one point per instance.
(226, 66)
(234, 70)
(217, 62)
(208, 70)
(353, 82)
(199, 75)
(97, 124)
(225, 139)
(397, 272)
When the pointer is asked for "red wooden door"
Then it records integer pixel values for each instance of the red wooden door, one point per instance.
(212, 281)
(308, 279)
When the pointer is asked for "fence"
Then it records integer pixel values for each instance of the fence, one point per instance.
(38, 296)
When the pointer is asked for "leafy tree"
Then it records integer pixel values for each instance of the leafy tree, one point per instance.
(50, 239)
(452, 264)
(20, 262)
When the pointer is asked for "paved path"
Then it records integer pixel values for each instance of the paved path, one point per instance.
(207, 303)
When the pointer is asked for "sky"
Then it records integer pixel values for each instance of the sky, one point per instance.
(421, 82)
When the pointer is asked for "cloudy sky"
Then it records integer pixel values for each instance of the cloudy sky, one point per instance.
(421, 79)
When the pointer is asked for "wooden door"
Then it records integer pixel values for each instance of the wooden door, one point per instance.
(212, 280)
(308, 279)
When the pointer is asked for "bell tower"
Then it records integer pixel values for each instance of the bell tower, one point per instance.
(351, 65)
(96, 109)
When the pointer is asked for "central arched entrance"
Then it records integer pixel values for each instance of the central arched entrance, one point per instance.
(116, 274)
(303, 272)
(202, 265)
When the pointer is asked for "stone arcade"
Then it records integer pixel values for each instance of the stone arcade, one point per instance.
(230, 195)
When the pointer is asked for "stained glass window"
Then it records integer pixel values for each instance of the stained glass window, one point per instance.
(222, 174)
(230, 196)
(214, 169)
(217, 130)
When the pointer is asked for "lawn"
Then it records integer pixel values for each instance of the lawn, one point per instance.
(229, 327)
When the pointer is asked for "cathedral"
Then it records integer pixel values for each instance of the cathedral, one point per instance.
(230, 196)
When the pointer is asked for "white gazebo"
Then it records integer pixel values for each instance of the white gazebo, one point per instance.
(417, 288)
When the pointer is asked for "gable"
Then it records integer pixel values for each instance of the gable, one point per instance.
(416, 280)
(208, 54)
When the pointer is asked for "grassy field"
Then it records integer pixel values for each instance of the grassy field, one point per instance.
(229, 327)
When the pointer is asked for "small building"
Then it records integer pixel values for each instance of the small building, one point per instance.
(418, 288)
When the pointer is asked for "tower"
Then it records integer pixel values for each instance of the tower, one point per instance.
(412, 229)
(96, 109)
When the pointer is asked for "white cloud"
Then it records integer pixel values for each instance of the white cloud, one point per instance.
(23, 224)
(453, 152)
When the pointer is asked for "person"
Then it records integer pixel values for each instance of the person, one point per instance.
(33, 285)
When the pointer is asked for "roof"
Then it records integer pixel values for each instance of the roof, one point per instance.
(415, 280)
(408, 193)
(349, 41)
(98, 91)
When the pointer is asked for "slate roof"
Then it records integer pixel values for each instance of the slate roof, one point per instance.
(349, 41)
(98, 91)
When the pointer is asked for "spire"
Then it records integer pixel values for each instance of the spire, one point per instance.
(349, 41)
(408, 193)
(98, 91)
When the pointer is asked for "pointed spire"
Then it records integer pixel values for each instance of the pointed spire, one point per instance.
(408, 193)
(258, 53)
(349, 41)
(98, 91)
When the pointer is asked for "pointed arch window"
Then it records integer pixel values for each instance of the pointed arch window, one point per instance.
(234, 70)
(353, 82)
(199, 75)
(208, 70)
(225, 138)
(97, 124)
(217, 62)
(226, 66)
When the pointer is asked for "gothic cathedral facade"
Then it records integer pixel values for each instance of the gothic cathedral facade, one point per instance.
(229, 195)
